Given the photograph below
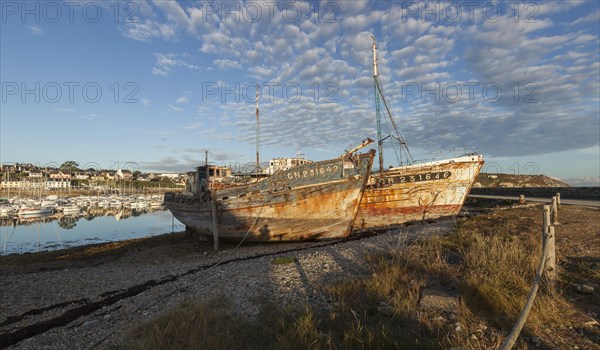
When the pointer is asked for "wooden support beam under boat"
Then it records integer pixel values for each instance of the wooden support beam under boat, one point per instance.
(215, 223)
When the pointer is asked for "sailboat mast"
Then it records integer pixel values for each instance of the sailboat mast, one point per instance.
(257, 134)
(377, 104)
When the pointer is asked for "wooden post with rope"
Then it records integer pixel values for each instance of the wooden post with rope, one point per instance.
(550, 213)
(550, 270)
(554, 210)
(511, 339)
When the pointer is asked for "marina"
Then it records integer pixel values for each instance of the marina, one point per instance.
(102, 219)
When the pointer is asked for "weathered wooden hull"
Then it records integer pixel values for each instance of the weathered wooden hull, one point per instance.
(310, 202)
(418, 192)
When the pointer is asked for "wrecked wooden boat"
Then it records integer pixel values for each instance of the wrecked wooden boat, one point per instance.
(314, 201)
(423, 191)
(413, 191)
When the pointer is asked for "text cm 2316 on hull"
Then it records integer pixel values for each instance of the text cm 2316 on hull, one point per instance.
(314, 201)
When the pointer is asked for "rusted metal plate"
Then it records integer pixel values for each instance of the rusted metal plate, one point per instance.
(308, 202)
(418, 192)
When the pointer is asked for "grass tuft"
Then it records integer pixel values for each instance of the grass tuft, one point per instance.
(280, 260)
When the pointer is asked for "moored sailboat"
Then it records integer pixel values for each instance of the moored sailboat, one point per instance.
(34, 211)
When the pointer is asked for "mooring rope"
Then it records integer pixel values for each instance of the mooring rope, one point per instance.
(509, 342)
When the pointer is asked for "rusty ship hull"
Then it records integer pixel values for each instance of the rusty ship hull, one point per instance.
(418, 192)
(315, 201)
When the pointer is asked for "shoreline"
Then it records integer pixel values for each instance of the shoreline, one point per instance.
(93, 295)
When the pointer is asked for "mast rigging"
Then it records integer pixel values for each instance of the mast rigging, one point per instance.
(379, 98)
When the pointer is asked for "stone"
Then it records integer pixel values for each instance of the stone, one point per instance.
(386, 309)
(586, 321)
(583, 288)
(433, 299)
(439, 320)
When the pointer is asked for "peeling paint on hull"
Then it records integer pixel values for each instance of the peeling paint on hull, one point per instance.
(418, 192)
(299, 208)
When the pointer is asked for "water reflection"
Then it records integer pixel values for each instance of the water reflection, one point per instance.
(67, 222)
(39, 232)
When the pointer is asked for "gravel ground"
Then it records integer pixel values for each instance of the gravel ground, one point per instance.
(91, 306)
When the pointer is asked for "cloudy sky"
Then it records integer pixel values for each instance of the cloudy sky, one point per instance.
(152, 85)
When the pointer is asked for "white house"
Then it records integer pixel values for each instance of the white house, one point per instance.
(53, 184)
(276, 164)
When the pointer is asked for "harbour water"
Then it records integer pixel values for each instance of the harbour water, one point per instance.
(51, 232)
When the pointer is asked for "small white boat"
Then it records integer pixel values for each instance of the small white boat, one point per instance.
(71, 210)
(34, 211)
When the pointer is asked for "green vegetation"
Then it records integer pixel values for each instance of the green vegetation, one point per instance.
(490, 261)
(69, 166)
(283, 260)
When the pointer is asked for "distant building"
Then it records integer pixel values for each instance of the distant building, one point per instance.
(277, 164)
(60, 175)
(81, 176)
(97, 177)
(110, 175)
(54, 184)
(35, 175)
(127, 175)
(196, 180)
(170, 176)
(23, 185)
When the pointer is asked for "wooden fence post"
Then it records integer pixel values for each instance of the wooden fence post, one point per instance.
(550, 268)
(546, 222)
(554, 210)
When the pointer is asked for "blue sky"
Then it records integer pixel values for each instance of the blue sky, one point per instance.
(152, 85)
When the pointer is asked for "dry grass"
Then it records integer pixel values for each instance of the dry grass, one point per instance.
(194, 325)
(490, 262)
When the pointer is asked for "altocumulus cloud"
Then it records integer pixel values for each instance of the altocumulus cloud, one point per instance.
(511, 85)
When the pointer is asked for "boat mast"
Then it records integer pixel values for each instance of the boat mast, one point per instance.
(257, 134)
(379, 98)
(377, 103)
